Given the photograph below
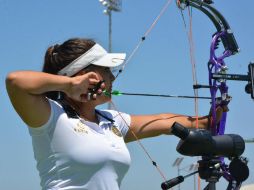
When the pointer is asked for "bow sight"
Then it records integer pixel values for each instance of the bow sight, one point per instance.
(249, 88)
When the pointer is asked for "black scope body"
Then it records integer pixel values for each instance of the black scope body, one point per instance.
(198, 142)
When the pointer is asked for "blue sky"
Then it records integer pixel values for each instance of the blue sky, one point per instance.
(161, 65)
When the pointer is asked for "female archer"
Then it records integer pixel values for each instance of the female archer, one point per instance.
(77, 146)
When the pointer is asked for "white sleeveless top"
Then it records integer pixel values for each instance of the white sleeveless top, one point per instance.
(74, 154)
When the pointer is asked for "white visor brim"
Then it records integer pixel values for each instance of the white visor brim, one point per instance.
(96, 55)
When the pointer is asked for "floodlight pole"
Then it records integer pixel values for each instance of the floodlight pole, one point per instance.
(110, 31)
(110, 5)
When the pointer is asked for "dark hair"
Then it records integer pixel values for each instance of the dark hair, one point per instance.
(59, 56)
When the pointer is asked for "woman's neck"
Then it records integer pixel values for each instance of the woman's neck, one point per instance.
(88, 114)
(85, 110)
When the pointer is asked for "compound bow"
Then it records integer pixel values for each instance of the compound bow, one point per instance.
(217, 72)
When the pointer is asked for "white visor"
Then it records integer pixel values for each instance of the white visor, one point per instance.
(96, 55)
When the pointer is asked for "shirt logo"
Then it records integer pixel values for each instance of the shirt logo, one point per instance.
(116, 131)
(81, 128)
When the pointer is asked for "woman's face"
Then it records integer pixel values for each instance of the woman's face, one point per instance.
(105, 74)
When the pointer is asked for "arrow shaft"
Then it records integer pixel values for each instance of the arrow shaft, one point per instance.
(163, 95)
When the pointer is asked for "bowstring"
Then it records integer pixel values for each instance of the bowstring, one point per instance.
(140, 143)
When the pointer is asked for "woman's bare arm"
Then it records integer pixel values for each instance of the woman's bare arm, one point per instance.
(26, 91)
(144, 126)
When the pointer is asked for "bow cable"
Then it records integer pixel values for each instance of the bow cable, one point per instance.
(189, 35)
(140, 144)
(143, 38)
